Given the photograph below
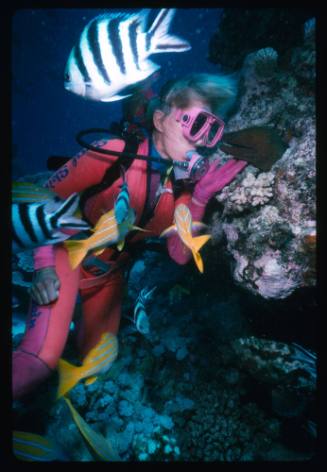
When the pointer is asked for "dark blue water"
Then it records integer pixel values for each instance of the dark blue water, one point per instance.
(46, 117)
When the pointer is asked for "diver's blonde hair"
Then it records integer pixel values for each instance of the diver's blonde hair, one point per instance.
(217, 90)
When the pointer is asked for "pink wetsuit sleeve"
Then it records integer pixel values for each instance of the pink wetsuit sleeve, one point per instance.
(43, 257)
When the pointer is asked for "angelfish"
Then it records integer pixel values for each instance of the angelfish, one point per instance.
(122, 203)
(184, 226)
(111, 58)
(98, 361)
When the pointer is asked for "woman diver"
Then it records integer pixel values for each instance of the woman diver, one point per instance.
(184, 118)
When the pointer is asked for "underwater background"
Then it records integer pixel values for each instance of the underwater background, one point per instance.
(228, 371)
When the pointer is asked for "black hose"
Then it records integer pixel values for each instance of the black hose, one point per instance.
(129, 155)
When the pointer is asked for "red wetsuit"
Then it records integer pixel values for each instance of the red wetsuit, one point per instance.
(47, 326)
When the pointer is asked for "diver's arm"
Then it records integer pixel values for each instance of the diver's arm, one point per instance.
(83, 170)
(46, 284)
(43, 257)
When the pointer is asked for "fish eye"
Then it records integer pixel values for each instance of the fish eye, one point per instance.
(67, 77)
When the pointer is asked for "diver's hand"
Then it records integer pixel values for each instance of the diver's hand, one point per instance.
(45, 286)
(215, 180)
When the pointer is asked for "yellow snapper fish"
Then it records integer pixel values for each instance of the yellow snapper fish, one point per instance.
(100, 447)
(106, 232)
(184, 226)
(35, 448)
(27, 192)
(98, 361)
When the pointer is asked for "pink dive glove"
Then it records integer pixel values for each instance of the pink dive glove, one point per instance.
(215, 179)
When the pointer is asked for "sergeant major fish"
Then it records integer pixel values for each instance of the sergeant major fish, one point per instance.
(183, 225)
(38, 224)
(111, 56)
(97, 361)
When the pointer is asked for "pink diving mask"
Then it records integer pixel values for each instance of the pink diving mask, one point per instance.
(200, 124)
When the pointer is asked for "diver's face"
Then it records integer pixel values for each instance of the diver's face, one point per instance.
(168, 135)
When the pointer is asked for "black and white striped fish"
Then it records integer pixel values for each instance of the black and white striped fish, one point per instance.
(141, 318)
(111, 56)
(38, 224)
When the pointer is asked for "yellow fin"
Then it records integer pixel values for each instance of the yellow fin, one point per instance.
(198, 242)
(168, 231)
(120, 245)
(77, 250)
(98, 251)
(140, 229)
(90, 380)
(33, 447)
(101, 446)
(69, 376)
(198, 260)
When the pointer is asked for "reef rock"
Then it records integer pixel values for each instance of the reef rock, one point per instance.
(269, 218)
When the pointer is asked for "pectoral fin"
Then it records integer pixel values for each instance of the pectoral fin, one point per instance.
(198, 225)
(90, 380)
(98, 252)
(120, 245)
(168, 231)
(140, 229)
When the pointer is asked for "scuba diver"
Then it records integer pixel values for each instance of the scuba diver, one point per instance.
(185, 118)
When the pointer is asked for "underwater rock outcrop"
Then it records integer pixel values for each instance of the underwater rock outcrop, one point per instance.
(269, 218)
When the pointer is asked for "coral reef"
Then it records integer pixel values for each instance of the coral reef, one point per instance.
(276, 363)
(157, 405)
(222, 429)
(265, 61)
(269, 218)
(252, 191)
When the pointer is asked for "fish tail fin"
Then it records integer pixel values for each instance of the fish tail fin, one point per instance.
(68, 377)
(198, 260)
(64, 218)
(160, 40)
(198, 242)
(77, 250)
